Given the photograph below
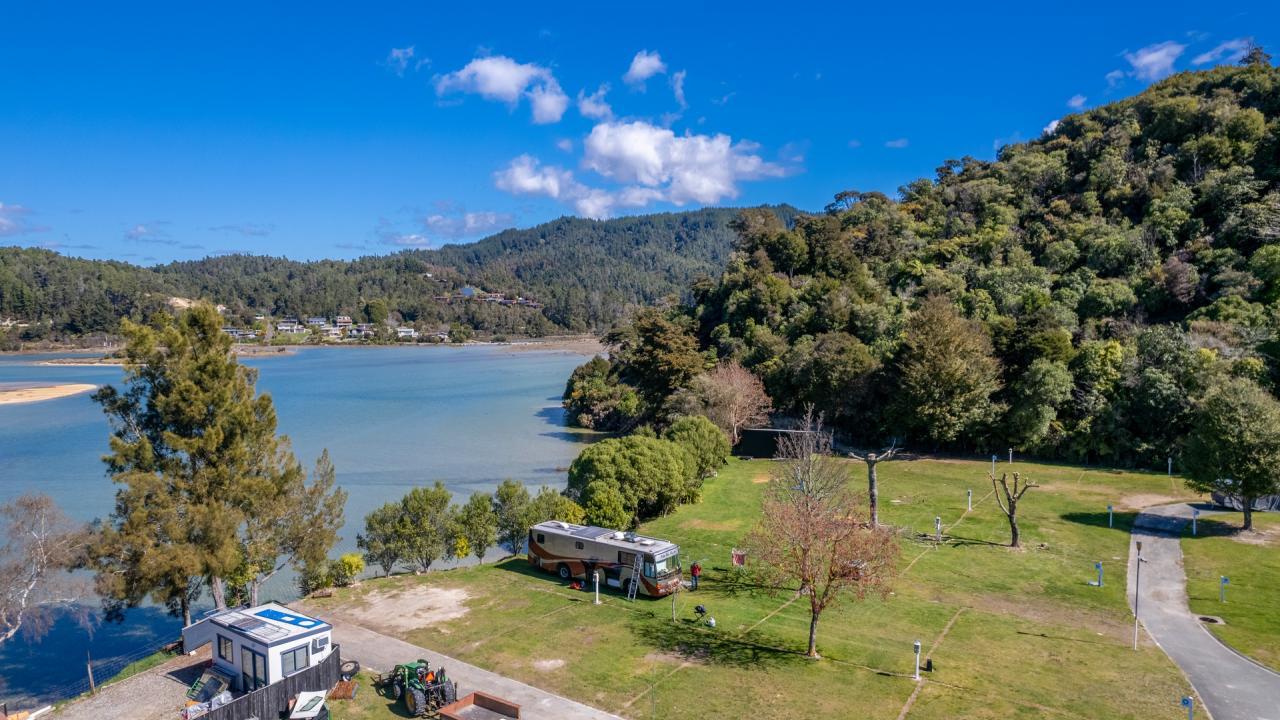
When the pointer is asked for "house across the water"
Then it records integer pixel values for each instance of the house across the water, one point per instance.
(261, 645)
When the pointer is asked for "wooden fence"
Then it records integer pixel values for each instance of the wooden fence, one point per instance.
(271, 702)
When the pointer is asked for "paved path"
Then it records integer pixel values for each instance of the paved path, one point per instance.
(381, 652)
(1231, 686)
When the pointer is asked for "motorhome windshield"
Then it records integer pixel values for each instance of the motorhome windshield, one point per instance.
(664, 567)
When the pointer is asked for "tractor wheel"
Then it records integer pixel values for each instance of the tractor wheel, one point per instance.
(450, 692)
(565, 574)
(349, 669)
(396, 690)
(418, 706)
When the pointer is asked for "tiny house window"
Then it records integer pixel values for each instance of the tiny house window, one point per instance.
(291, 661)
(225, 649)
(578, 544)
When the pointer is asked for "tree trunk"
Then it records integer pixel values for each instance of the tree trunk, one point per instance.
(253, 592)
(813, 636)
(218, 590)
(1248, 512)
(186, 610)
(873, 494)
(1013, 528)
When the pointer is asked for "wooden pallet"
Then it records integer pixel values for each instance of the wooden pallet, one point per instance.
(344, 690)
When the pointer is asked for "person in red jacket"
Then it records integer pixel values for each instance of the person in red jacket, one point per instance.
(696, 572)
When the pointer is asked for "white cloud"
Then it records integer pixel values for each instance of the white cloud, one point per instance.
(1230, 51)
(1154, 62)
(152, 232)
(594, 106)
(1052, 127)
(13, 221)
(1077, 102)
(643, 66)
(687, 168)
(565, 144)
(398, 59)
(648, 164)
(526, 176)
(502, 79)
(897, 144)
(677, 89)
(412, 240)
(1114, 78)
(466, 225)
(245, 229)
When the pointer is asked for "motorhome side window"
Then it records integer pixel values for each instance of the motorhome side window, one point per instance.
(648, 569)
(542, 538)
(578, 545)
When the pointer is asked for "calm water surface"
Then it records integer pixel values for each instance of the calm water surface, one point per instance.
(391, 418)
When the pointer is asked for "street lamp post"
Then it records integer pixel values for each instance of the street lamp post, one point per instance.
(1110, 517)
(937, 529)
(917, 672)
(596, 575)
(993, 465)
(1190, 705)
(1195, 516)
(1222, 588)
(1098, 566)
(970, 492)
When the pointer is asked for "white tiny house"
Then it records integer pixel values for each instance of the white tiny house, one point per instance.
(261, 645)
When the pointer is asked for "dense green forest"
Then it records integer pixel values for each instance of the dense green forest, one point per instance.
(585, 273)
(1074, 297)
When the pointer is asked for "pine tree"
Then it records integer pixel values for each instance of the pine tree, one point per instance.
(206, 486)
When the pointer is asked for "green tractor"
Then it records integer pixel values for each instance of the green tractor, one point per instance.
(423, 690)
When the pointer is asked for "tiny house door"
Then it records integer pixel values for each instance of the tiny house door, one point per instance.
(253, 670)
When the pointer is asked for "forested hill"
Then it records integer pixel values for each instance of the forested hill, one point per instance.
(583, 272)
(1072, 297)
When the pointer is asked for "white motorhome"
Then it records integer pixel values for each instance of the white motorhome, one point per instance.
(623, 558)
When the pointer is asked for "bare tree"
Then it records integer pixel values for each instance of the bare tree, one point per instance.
(811, 533)
(873, 487)
(1009, 503)
(41, 547)
(731, 396)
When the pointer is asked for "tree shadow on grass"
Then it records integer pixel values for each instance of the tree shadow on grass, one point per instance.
(1045, 636)
(726, 583)
(697, 643)
(1216, 527)
(961, 541)
(1123, 520)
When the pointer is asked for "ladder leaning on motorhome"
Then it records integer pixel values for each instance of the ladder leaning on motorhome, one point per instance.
(634, 585)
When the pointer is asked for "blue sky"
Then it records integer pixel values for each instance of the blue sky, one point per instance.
(154, 132)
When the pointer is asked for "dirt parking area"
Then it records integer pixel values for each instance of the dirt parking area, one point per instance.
(155, 694)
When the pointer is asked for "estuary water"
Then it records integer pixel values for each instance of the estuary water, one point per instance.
(392, 418)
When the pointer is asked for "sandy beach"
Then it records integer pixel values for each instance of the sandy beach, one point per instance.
(13, 396)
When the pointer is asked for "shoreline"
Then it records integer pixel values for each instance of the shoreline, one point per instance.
(40, 393)
(584, 345)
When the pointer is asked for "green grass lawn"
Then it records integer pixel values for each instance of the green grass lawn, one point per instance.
(1012, 633)
(367, 704)
(1252, 562)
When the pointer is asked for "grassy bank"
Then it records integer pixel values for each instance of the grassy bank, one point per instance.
(1252, 562)
(1012, 633)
